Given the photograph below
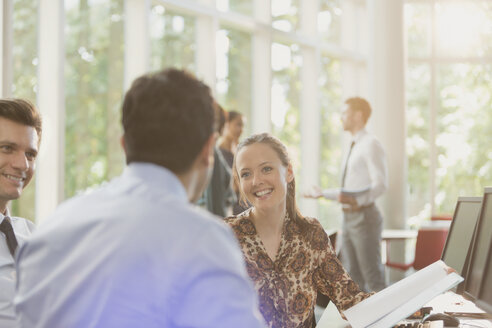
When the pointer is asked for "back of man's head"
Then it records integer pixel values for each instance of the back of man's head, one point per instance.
(360, 105)
(167, 118)
(22, 112)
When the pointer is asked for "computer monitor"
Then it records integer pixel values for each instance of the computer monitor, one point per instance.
(484, 299)
(460, 235)
(480, 247)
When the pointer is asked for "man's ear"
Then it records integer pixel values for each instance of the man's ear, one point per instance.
(206, 155)
(290, 173)
(122, 142)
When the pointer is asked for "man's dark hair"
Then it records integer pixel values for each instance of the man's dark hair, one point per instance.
(22, 112)
(167, 118)
(232, 114)
(361, 105)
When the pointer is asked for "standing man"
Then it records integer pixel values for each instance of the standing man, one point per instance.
(364, 179)
(20, 133)
(136, 253)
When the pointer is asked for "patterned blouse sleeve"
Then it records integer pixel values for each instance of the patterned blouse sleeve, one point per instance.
(330, 278)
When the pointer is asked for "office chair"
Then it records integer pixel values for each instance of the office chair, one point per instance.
(441, 218)
(428, 249)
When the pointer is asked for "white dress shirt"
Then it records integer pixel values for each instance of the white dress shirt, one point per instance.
(366, 168)
(134, 253)
(22, 229)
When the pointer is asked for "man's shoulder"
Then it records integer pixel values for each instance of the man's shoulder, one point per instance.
(370, 142)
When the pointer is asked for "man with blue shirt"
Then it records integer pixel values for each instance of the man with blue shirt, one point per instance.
(20, 133)
(136, 253)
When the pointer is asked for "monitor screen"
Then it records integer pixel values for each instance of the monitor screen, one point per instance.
(460, 233)
(480, 247)
(484, 299)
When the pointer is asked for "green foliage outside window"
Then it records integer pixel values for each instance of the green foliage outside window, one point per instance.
(464, 133)
(286, 15)
(234, 69)
(331, 138)
(172, 39)
(417, 143)
(241, 6)
(286, 92)
(93, 90)
(463, 100)
(24, 53)
(330, 19)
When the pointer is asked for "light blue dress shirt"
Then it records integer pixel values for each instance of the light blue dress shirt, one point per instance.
(134, 253)
(22, 230)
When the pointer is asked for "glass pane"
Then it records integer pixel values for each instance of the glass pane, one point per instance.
(417, 143)
(464, 132)
(464, 29)
(94, 85)
(285, 15)
(234, 72)
(330, 83)
(418, 29)
(24, 53)
(329, 20)
(240, 6)
(286, 87)
(172, 39)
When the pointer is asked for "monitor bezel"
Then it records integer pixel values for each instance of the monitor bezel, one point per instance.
(452, 226)
(466, 293)
(484, 305)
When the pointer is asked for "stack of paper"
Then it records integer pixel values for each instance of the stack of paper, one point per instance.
(398, 301)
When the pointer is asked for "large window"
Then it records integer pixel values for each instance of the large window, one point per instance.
(24, 55)
(256, 56)
(285, 15)
(286, 88)
(331, 136)
(94, 86)
(172, 39)
(449, 99)
(233, 71)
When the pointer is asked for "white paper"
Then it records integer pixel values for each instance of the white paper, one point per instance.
(402, 298)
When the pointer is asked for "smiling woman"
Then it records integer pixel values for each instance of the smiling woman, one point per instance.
(288, 256)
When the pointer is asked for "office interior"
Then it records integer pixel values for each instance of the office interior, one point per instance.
(287, 65)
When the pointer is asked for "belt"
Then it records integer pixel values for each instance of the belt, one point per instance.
(352, 209)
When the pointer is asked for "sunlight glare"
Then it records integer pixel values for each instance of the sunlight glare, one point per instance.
(458, 27)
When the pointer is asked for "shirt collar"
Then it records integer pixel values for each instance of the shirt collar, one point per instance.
(356, 138)
(158, 177)
(4, 215)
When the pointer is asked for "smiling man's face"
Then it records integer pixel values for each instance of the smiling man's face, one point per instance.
(18, 151)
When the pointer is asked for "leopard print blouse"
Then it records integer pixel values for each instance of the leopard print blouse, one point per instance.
(305, 263)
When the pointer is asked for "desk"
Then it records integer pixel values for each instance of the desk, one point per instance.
(448, 301)
(394, 234)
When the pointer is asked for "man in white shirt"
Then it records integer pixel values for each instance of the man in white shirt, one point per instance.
(20, 133)
(364, 178)
(136, 253)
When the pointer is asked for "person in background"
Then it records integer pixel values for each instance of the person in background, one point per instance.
(365, 172)
(233, 129)
(288, 256)
(136, 253)
(227, 144)
(219, 197)
(20, 135)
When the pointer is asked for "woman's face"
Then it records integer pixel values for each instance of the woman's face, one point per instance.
(235, 127)
(263, 178)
